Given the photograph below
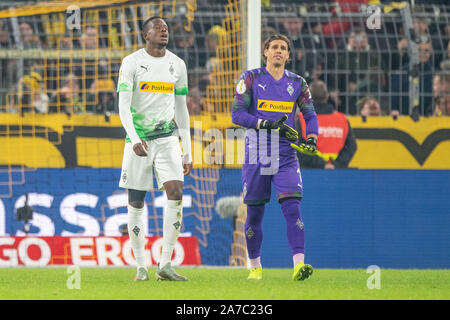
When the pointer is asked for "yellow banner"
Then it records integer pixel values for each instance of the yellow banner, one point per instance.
(385, 143)
(275, 106)
(159, 87)
(58, 141)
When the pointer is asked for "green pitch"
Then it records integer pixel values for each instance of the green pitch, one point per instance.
(222, 284)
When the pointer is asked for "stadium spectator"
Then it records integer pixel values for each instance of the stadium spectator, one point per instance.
(308, 47)
(447, 57)
(18, 68)
(359, 70)
(102, 96)
(28, 40)
(216, 89)
(440, 81)
(87, 68)
(334, 30)
(317, 45)
(369, 107)
(400, 57)
(292, 27)
(335, 99)
(446, 33)
(184, 45)
(4, 38)
(199, 77)
(66, 42)
(30, 91)
(445, 65)
(442, 108)
(266, 32)
(441, 90)
(421, 34)
(400, 83)
(194, 101)
(89, 39)
(336, 141)
(214, 37)
(68, 99)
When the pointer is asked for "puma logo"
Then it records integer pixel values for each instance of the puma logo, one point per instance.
(145, 67)
(262, 86)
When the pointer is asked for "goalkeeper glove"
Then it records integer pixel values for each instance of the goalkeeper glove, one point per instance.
(308, 147)
(285, 130)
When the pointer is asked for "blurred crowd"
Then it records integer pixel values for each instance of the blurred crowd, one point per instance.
(367, 72)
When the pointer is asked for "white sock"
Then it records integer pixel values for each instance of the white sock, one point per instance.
(255, 263)
(137, 235)
(173, 218)
(299, 257)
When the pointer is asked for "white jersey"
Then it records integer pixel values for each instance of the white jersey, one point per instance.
(154, 82)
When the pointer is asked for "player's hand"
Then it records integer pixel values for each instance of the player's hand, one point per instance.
(187, 167)
(141, 148)
(308, 147)
(285, 130)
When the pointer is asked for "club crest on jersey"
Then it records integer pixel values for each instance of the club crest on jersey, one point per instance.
(171, 69)
(290, 89)
(241, 87)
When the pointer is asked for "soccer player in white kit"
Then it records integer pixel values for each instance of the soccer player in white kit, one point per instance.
(152, 90)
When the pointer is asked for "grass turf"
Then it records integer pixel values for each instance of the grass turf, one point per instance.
(223, 284)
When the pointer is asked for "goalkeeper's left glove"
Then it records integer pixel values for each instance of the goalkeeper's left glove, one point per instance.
(308, 147)
(285, 130)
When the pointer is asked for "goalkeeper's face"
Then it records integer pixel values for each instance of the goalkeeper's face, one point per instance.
(277, 53)
(157, 33)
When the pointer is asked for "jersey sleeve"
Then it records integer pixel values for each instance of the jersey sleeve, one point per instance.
(181, 86)
(304, 100)
(243, 92)
(242, 101)
(306, 106)
(126, 76)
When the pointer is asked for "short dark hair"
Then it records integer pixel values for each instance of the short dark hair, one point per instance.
(319, 91)
(146, 22)
(276, 36)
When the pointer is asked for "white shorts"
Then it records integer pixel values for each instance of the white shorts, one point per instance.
(164, 155)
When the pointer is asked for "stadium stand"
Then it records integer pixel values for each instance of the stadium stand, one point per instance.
(330, 39)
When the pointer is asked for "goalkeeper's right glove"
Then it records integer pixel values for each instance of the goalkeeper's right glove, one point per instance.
(308, 147)
(285, 130)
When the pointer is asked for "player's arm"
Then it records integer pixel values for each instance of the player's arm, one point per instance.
(242, 101)
(182, 119)
(347, 152)
(306, 106)
(125, 90)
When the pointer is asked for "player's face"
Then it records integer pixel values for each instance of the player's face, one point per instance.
(157, 33)
(277, 54)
